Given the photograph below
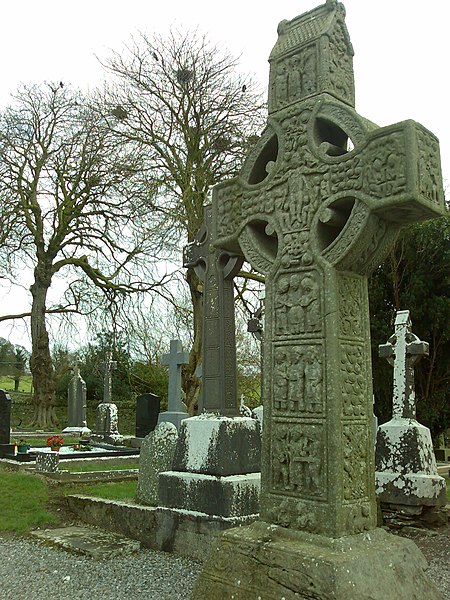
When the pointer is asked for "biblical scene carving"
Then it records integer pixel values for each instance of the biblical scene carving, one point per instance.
(297, 381)
(298, 459)
(293, 513)
(295, 77)
(387, 175)
(297, 304)
(354, 444)
(350, 303)
(353, 380)
(358, 517)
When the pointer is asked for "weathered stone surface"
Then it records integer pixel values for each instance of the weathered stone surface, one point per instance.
(76, 401)
(218, 445)
(406, 470)
(157, 454)
(315, 208)
(88, 541)
(47, 462)
(266, 562)
(405, 464)
(107, 423)
(217, 269)
(232, 496)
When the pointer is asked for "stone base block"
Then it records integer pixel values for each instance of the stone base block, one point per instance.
(410, 489)
(172, 417)
(6, 449)
(267, 562)
(219, 445)
(231, 496)
(81, 431)
(47, 462)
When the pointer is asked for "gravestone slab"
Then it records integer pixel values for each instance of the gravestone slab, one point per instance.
(107, 423)
(5, 417)
(157, 454)
(6, 448)
(315, 208)
(147, 413)
(406, 471)
(76, 405)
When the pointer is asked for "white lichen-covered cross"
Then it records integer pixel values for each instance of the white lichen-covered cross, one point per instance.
(403, 350)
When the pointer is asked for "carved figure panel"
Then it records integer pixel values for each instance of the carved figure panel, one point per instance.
(298, 380)
(298, 304)
(298, 459)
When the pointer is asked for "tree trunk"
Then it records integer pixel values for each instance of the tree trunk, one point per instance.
(191, 381)
(40, 361)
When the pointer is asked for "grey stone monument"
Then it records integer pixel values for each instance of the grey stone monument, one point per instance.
(157, 454)
(316, 214)
(107, 415)
(5, 424)
(217, 461)
(147, 413)
(47, 462)
(174, 360)
(406, 474)
(76, 405)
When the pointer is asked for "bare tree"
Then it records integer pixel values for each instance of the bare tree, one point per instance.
(183, 100)
(68, 209)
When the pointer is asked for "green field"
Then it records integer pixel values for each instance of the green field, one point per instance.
(7, 383)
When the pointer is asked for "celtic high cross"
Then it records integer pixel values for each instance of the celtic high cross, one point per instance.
(317, 206)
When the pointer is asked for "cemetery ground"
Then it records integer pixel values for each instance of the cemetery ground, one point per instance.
(30, 502)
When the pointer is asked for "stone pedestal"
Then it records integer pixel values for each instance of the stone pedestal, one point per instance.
(406, 471)
(266, 562)
(216, 467)
(47, 462)
(171, 416)
(80, 431)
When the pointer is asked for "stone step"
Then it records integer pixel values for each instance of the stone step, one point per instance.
(89, 541)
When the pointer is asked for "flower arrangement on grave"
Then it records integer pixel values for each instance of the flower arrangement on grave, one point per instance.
(22, 446)
(55, 442)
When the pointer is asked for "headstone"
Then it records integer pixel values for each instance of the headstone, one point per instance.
(47, 462)
(5, 424)
(76, 405)
(406, 472)
(174, 360)
(107, 414)
(316, 214)
(157, 454)
(147, 413)
(258, 413)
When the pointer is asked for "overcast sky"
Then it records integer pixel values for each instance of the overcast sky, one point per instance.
(401, 50)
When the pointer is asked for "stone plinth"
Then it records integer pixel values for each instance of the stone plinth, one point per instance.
(171, 416)
(230, 496)
(218, 445)
(216, 467)
(406, 471)
(47, 462)
(267, 562)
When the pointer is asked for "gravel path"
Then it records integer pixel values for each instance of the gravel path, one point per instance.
(29, 570)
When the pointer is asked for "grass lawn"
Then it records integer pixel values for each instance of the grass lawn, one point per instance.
(120, 490)
(23, 503)
(105, 466)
